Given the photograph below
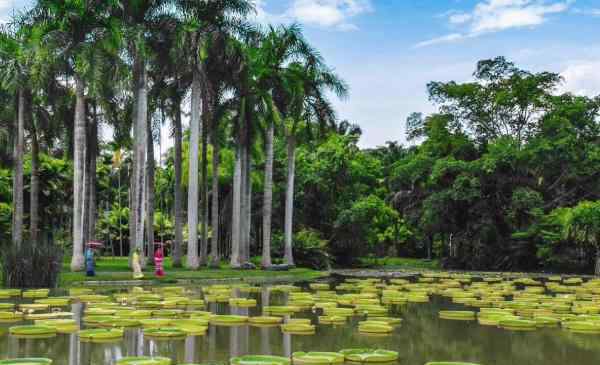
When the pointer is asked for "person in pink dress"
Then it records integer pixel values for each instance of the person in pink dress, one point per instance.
(158, 262)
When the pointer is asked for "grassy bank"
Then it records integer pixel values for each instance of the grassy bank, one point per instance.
(399, 263)
(117, 269)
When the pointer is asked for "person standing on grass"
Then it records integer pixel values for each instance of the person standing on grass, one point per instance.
(135, 263)
(158, 262)
(90, 262)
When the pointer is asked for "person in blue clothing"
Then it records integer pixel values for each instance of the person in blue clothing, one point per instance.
(90, 261)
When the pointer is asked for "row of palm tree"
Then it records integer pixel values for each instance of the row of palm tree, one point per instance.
(121, 63)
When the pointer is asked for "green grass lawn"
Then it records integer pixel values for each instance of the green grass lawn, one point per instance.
(117, 269)
(400, 263)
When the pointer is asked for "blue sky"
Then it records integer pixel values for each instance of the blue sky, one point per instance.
(388, 50)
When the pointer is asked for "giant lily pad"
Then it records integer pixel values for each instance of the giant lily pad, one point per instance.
(260, 360)
(101, 334)
(27, 361)
(317, 358)
(364, 355)
(144, 360)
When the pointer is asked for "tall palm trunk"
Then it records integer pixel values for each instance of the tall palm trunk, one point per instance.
(247, 213)
(192, 257)
(77, 260)
(288, 256)
(34, 190)
(150, 191)
(204, 195)
(214, 249)
(238, 195)
(243, 205)
(234, 260)
(18, 198)
(139, 153)
(268, 197)
(178, 190)
(91, 179)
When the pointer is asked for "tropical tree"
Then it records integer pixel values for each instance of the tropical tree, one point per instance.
(581, 224)
(303, 102)
(15, 68)
(73, 29)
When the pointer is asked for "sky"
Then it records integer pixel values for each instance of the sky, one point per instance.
(388, 50)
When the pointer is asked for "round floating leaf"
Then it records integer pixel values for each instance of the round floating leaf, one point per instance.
(144, 360)
(164, 332)
(32, 331)
(27, 361)
(317, 358)
(365, 355)
(101, 334)
(260, 360)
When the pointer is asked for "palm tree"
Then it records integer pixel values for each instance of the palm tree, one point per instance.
(302, 99)
(170, 84)
(203, 20)
(15, 68)
(73, 29)
(141, 18)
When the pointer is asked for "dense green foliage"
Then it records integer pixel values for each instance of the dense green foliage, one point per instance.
(504, 176)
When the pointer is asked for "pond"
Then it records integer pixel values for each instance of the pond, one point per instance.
(421, 337)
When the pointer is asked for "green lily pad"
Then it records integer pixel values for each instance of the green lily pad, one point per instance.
(27, 361)
(101, 334)
(32, 331)
(317, 358)
(364, 355)
(144, 360)
(164, 332)
(260, 360)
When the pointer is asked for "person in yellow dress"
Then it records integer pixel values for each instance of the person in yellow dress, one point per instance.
(135, 263)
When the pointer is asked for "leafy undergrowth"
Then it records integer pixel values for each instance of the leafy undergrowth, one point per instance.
(117, 269)
(403, 263)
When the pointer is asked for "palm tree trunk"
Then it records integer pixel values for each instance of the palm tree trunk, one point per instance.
(243, 205)
(120, 210)
(150, 191)
(214, 249)
(247, 206)
(178, 190)
(18, 198)
(236, 210)
(204, 198)
(80, 130)
(139, 153)
(34, 216)
(268, 197)
(192, 257)
(93, 200)
(288, 256)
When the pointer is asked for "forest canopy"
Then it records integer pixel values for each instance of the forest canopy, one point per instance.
(262, 171)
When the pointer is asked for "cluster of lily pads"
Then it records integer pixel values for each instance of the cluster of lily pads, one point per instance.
(175, 312)
(521, 304)
(358, 355)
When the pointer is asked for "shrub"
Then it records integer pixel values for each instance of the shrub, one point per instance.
(31, 265)
(309, 249)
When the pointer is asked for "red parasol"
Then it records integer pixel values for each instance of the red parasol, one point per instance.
(95, 244)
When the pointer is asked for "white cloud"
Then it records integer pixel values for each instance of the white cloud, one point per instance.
(333, 14)
(582, 78)
(453, 37)
(460, 18)
(490, 16)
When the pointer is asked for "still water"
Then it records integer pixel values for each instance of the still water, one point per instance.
(422, 337)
